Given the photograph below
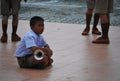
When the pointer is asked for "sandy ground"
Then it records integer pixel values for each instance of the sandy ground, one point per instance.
(61, 12)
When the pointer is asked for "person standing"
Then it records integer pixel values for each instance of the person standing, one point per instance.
(104, 12)
(90, 8)
(10, 7)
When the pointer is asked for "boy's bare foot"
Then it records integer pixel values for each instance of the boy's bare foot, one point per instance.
(3, 38)
(86, 31)
(15, 38)
(96, 31)
(101, 40)
(50, 62)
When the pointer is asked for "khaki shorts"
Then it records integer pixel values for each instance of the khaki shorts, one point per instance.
(90, 4)
(9, 7)
(104, 6)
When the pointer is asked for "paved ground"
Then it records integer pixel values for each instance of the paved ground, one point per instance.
(75, 57)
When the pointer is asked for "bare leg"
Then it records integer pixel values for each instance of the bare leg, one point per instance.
(88, 20)
(105, 25)
(104, 39)
(4, 28)
(95, 23)
(15, 37)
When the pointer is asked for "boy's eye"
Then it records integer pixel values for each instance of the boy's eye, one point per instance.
(40, 25)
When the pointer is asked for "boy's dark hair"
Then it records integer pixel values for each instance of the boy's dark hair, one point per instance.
(34, 19)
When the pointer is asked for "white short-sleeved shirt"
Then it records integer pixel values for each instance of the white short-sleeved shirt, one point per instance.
(29, 40)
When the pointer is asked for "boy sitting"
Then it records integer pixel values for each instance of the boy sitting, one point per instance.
(32, 41)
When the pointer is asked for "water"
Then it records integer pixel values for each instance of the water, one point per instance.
(62, 11)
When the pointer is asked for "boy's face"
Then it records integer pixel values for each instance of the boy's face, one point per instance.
(38, 27)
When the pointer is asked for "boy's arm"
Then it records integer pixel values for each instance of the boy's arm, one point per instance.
(34, 48)
(45, 49)
(47, 46)
(49, 51)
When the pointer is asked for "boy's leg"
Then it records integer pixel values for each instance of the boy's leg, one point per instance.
(4, 28)
(15, 37)
(5, 11)
(15, 10)
(90, 7)
(88, 20)
(104, 17)
(95, 23)
(22, 62)
(105, 25)
(104, 39)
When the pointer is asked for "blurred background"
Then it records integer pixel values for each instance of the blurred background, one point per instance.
(62, 11)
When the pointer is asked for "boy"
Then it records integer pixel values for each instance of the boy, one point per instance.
(32, 41)
(90, 7)
(10, 7)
